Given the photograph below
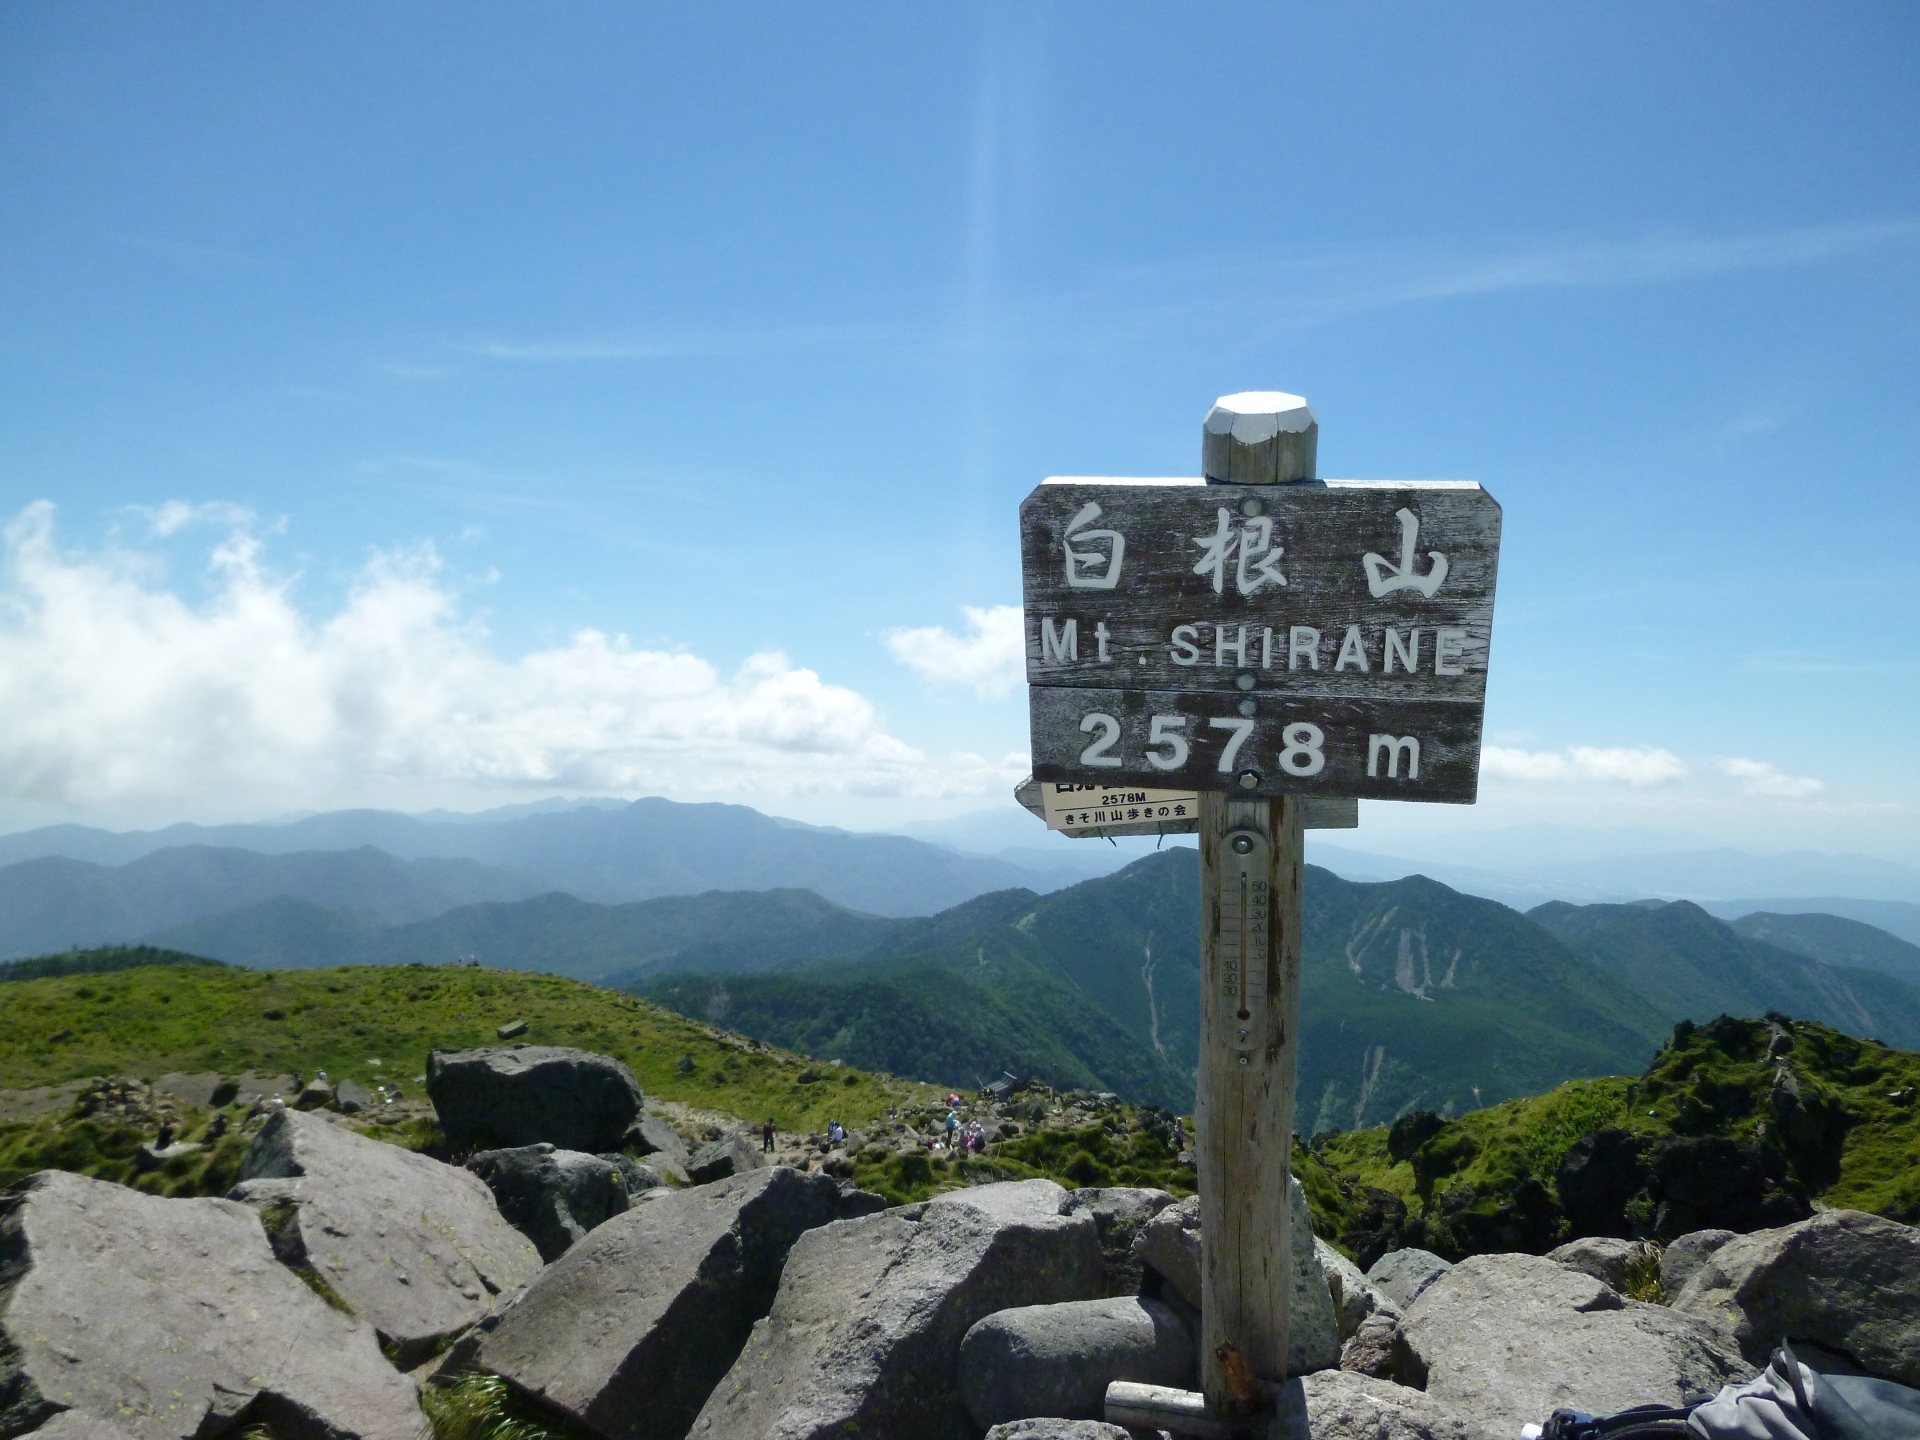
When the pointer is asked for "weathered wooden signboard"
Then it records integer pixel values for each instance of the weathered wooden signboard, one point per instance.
(1328, 637)
(1257, 650)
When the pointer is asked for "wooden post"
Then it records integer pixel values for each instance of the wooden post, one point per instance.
(1250, 922)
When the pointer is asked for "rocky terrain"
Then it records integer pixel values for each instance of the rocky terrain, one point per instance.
(600, 1264)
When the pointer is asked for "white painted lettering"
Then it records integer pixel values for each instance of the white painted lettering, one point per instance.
(1394, 746)
(1166, 730)
(1384, 577)
(1409, 659)
(1096, 753)
(1100, 638)
(1222, 647)
(1256, 544)
(1303, 643)
(1449, 647)
(1061, 646)
(1240, 728)
(1353, 651)
(1266, 647)
(1079, 574)
(1185, 652)
(1300, 752)
(1249, 545)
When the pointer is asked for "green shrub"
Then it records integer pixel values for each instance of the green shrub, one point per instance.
(484, 1407)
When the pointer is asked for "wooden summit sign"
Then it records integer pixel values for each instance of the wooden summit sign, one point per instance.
(1327, 637)
(1270, 647)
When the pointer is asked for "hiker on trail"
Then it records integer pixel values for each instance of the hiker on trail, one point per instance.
(953, 1124)
(766, 1136)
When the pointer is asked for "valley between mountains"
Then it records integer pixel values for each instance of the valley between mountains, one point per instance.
(1415, 996)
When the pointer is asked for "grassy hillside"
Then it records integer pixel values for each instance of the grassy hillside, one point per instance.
(97, 962)
(1842, 1128)
(1798, 1110)
(377, 1024)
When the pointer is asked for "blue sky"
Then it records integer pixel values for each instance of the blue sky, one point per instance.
(410, 406)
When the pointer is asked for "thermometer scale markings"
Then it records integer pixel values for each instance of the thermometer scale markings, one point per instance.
(1242, 947)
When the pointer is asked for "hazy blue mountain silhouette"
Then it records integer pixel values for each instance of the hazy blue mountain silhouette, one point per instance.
(649, 848)
(54, 903)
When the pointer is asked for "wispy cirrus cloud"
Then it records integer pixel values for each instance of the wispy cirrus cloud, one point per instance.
(1639, 766)
(695, 342)
(1287, 290)
(1764, 781)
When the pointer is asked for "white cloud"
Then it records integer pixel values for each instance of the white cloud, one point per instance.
(1769, 782)
(1637, 766)
(177, 515)
(117, 692)
(991, 658)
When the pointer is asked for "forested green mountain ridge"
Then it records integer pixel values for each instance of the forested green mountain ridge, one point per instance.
(1414, 996)
(1690, 966)
(1835, 940)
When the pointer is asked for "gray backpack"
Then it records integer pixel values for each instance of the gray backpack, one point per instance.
(1789, 1401)
(1792, 1400)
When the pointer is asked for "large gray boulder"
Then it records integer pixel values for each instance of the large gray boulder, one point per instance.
(1057, 1360)
(1401, 1275)
(1339, 1405)
(652, 1135)
(630, 1329)
(1508, 1339)
(1057, 1429)
(1373, 1349)
(168, 1319)
(637, 1175)
(724, 1158)
(864, 1336)
(1605, 1258)
(1313, 1330)
(416, 1247)
(553, 1197)
(1119, 1213)
(1354, 1296)
(509, 1095)
(1169, 1244)
(78, 1425)
(1844, 1280)
(1686, 1254)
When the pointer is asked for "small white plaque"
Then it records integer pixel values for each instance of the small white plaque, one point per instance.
(1075, 807)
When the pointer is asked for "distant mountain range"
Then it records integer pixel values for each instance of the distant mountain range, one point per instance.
(1833, 940)
(901, 955)
(1414, 994)
(55, 903)
(70, 885)
(1720, 879)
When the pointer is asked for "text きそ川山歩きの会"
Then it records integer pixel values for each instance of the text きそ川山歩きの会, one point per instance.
(1322, 638)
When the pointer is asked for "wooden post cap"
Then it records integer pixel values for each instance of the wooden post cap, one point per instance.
(1260, 437)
